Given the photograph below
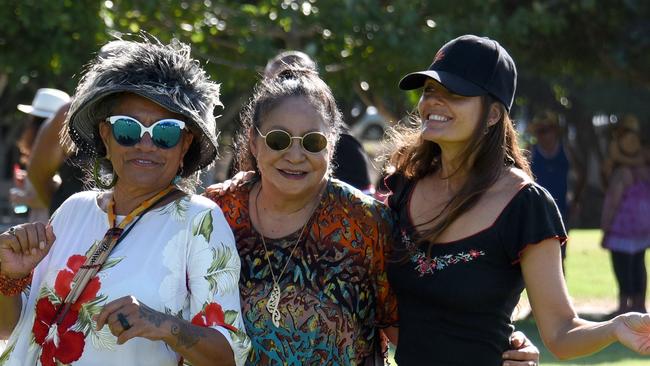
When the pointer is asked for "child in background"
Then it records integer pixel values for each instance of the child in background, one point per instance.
(626, 213)
(627, 160)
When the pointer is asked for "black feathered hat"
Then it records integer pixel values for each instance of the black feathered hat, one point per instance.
(164, 74)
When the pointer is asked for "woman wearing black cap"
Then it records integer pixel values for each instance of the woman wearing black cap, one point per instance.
(141, 271)
(475, 228)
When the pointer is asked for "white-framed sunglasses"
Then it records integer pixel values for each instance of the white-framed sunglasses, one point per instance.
(128, 131)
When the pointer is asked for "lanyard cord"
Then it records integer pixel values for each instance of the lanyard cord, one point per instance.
(113, 236)
(142, 208)
(140, 211)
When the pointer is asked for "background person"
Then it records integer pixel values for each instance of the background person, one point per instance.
(43, 108)
(626, 213)
(474, 226)
(160, 285)
(552, 163)
(54, 175)
(54, 172)
(549, 161)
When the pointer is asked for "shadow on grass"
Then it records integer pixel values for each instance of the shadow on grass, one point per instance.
(615, 354)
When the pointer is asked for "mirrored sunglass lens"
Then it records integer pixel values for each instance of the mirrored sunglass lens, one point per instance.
(278, 140)
(166, 134)
(314, 142)
(126, 132)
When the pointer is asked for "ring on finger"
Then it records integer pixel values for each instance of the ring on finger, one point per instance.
(124, 322)
(12, 230)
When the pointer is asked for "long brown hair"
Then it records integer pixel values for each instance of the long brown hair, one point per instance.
(490, 151)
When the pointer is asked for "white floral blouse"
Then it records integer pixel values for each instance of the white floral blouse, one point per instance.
(179, 259)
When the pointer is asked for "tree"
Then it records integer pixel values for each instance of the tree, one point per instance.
(563, 49)
(42, 44)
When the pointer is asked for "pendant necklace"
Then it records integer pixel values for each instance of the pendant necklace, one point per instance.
(273, 302)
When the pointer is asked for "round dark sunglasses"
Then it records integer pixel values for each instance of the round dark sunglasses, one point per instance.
(280, 140)
(128, 131)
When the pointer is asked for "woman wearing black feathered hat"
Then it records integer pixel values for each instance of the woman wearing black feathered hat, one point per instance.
(141, 271)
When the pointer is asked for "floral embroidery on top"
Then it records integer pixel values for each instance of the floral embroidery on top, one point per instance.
(426, 265)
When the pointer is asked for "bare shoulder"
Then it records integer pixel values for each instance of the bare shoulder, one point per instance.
(512, 181)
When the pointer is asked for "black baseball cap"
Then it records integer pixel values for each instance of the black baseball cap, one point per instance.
(470, 66)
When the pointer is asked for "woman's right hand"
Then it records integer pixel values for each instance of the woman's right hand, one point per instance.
(633, 331)
(22, 250)
(230, 185)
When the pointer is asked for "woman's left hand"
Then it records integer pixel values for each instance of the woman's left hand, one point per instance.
(229, 185)
(633, 331)
(523, 352)
(128, 318)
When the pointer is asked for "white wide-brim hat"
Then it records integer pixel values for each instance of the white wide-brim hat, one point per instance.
(46, 103)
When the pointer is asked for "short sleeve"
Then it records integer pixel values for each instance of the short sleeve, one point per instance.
(531, 218)
(386, 300)
(398, 189)
(213, 268)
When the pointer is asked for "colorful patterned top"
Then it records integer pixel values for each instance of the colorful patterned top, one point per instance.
(334, 292)
(179, 259)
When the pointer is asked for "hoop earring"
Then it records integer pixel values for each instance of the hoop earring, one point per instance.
(99, 181)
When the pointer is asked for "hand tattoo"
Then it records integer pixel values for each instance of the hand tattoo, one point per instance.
(151, 315)
(186, 334)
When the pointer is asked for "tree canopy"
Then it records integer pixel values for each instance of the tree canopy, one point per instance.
(584, 54)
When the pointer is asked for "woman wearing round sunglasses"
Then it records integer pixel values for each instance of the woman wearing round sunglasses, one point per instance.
(141, 272)
(313, 284)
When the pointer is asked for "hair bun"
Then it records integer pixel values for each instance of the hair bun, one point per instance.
(295, 72)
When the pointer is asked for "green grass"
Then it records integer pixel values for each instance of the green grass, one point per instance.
(589, 272)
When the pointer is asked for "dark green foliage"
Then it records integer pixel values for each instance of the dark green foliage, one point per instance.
(562, 48)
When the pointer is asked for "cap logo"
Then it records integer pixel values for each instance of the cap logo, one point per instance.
(439, 56)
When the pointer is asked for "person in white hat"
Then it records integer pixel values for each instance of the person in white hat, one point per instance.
(46, 103)
(54, 172)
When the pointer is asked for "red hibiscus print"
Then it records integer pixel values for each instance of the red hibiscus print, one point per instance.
(58, 342)
(212, 315)
(64, 281)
